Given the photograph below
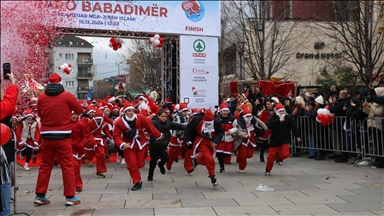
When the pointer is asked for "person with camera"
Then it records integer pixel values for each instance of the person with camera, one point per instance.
(158, 148)
(7, 155)
(281, 125)
(129, 136)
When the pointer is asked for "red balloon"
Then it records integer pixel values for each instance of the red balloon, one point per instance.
(327, 107)
(327, 119)
(5, 134)
(323, 123)
(112, 40)
(321, 117)
(161, 40)
(118, 45)
(160, 45)
(66, 70)
(115, 48)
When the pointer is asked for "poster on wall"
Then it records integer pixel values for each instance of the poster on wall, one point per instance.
(189, 17)
(199, 71)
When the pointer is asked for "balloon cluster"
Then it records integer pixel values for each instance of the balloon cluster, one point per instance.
(324, 117)
(66, 68)
(115, 43)
(156, 40)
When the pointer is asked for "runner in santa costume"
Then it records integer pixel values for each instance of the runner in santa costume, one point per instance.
(129, 136)
(226, 145)
(79, 138)
(55, 107)
(205, 132)
(89, 151)
(266, 113)
(281, 125)
(14, 124)
(98, 131)
(28, 134)
(176, 142)
(248, 127)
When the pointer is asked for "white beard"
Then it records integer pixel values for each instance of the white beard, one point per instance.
(131, 119)
(281, 115)
(208, 128)
(247, 120)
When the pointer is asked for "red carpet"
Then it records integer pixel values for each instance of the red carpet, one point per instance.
(112, 159)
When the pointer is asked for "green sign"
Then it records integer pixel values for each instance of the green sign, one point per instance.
(199, 45)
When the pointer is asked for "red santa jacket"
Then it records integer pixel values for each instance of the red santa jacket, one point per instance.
(79, 138)
(96, 133)
(8, 104)
(55, 112)
(141, 123)
(265, 114)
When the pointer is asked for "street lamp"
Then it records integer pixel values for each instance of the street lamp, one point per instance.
(118, 67)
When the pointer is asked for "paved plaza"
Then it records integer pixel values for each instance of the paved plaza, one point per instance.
(303, 187)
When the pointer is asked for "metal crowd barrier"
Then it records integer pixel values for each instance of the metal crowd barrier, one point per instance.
(360, 139)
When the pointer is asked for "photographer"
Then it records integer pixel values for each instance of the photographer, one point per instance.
(8, 104)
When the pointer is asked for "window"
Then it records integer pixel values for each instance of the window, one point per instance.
(60, 55)
(69, 56)
(70, 83)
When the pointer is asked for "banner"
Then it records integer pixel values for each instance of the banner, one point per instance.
(193, 17)
(199, 71)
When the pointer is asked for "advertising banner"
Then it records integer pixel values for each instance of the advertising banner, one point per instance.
(199, 71)
(189, 17)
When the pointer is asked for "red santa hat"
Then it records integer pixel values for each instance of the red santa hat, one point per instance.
(177, 107)
(279, 107)
(90, 109)
(202, 110)
(128, 105)
(144, 97)
(98, 114)
(110, 99)
(28, 112)
(246, 111)
(15, 117)
(167, 110)
(208, 116)
(275, 99)
(183, 107)
(194, 111)
(168, 100)
(224, 106)
(54, 79)
(94, 101)
(245, 95)
(115, 108)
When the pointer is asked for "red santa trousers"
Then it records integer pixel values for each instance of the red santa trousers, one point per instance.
(89, 154)
(206, 156)
(62, 149)
(282, 151)
(173, 152)
(244, 152)
(78, 180)
(100, 159)
(134, 159)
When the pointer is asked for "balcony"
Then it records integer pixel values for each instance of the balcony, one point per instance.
(81, 89)
(84, 61)
(84, 75)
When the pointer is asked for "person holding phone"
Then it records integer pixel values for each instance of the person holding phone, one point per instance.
(8, 104)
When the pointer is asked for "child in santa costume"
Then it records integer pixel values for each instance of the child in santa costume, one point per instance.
(226, 145)
(248, 127)
(28, 134)
(79, 138)
(98, 130)
(55, 107)
(14, 124)
(281, 125)
(128, 134)
(88, 151)
(205, 132)
(176, 142)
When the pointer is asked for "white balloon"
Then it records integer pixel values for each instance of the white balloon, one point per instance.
(65, 65)
(331, 114)
(157, 36)
(156, 42)
(318, 120)
(152, 39)
(70, 69)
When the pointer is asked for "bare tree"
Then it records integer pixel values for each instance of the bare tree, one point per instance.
(262, 41)
(102, 88)
(145, 65)
(358, 34)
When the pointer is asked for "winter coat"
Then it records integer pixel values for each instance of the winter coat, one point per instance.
(165, 128)
(281, 131)
(259, 129)
(8, 104)
(79, 138)
(54, 107)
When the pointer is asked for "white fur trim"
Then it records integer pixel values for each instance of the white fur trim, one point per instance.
(130, 107)
(142, 97)
(111, 99)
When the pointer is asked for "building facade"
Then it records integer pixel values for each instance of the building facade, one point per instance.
(77, 52)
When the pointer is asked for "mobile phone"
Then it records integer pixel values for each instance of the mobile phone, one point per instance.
(6, 70)
(186, 100)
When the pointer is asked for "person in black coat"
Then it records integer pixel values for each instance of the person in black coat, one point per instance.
(158, 148)
(281, 125)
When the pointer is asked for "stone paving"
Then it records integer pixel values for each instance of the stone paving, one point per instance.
(303, 187)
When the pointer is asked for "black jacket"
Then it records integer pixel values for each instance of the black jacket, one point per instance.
(337, 109)
(191, 133)
(281, 131)
(165, 128)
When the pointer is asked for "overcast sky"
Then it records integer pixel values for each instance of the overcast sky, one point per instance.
(105, 57)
